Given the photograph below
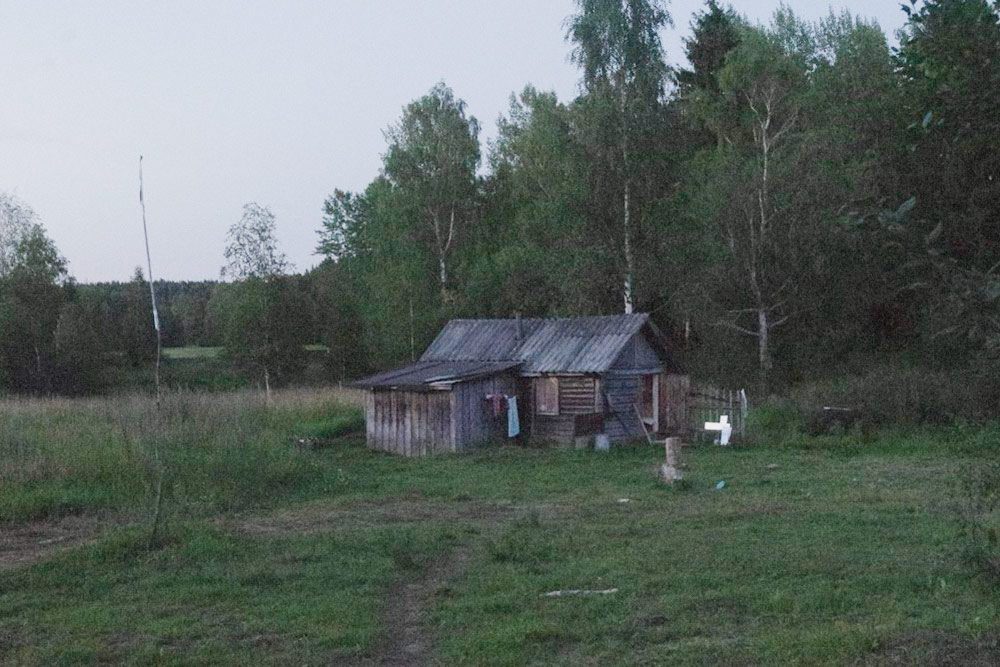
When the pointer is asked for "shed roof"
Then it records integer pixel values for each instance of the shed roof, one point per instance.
(562, 345)
(426, 375)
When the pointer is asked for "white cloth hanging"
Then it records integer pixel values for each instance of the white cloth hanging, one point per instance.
(513, 426)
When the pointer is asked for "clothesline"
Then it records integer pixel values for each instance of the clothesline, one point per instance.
(501, 403)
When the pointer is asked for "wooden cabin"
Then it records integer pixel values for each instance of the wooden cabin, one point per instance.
(571, 377)
(434, 406)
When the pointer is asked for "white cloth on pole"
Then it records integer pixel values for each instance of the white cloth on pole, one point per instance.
(513, 426)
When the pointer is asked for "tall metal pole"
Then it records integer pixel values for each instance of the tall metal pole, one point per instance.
(152, 292)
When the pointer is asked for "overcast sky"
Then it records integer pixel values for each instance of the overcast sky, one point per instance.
(275, 102)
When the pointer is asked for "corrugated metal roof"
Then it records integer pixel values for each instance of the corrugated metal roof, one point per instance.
(564, 345)
(421, 375)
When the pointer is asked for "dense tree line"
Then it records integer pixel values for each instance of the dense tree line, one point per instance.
(799, 197)
(797, 201)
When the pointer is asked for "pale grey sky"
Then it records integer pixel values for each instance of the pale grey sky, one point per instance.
(236, 101)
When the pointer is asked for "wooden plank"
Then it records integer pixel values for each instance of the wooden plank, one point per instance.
(452, 421)
(379, 420)
(408, 408)
(397, 422)
(437, 419)
(381, 409)
(445, 403)
(389, 435)
(576, 395)
(422, 423)
(444, 422)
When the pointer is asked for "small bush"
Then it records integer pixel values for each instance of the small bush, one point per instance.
(777, 423)
(900, 395)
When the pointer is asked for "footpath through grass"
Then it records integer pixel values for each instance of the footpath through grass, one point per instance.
(844, 553)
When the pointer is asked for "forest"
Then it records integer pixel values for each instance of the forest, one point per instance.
(801, 203)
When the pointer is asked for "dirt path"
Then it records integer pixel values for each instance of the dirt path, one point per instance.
(409, 639)
(322, 516)
(23, 544)
(410, 642)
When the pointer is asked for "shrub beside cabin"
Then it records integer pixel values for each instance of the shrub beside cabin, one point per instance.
(571, 378)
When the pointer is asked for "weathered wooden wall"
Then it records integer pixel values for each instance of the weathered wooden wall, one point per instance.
(622, 393)
(576, 395)
(418, 423)
(638, 354)
(472, 417)
(526, 404)
(674, 407)
(409, 423)
(413, 423)
(553, 428)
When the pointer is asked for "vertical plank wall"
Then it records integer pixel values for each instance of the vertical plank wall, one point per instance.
(409, 423)
(622, 392)
(674, 410)
(472, 420)
(415, 423)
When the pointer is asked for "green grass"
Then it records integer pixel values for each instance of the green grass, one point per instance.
(221, 451)
(845, 553)
(192, 352)
(208, 369)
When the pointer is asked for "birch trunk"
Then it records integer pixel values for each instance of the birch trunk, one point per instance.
(629, 286)
(763, 350)
(629, 259)
(443, 276)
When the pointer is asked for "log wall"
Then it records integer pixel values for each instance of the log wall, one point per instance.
(576, 395)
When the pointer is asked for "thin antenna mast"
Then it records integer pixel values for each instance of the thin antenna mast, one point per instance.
(152, 292)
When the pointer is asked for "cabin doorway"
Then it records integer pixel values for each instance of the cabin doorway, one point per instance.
(650, 401)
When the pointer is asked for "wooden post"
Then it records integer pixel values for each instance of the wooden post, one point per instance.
(669, 471)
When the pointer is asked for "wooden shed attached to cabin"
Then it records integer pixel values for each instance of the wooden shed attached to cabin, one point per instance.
(572, 377)
(435, 406)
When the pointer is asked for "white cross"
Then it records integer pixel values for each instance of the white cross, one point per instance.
(723, 426)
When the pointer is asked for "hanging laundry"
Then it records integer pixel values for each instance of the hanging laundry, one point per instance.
(513, 426)
(497, 403)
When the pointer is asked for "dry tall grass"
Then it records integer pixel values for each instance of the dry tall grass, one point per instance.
(219, 450)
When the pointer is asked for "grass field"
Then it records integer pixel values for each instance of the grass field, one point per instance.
(192, 352)
(835, 551)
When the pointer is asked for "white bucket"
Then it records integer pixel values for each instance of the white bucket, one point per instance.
(602, 442)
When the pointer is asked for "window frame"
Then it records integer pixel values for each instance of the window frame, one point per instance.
(553, 382)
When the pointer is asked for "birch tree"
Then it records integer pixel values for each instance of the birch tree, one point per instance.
(618, 47)
(431, 163)
(771, 196)
(261, 316)
(32, 276)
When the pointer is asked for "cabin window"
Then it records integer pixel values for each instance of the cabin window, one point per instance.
(547, 396)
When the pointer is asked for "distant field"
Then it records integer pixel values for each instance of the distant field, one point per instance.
(198, 352)
(835, 552)
(192, 352)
